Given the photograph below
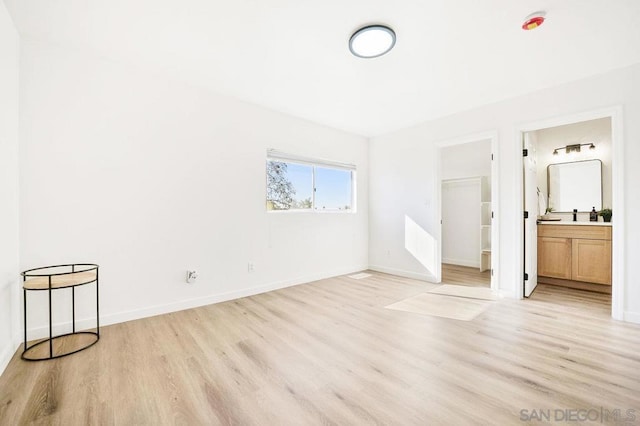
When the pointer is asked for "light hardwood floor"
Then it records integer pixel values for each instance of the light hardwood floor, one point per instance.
(328, 352)
(464, 275)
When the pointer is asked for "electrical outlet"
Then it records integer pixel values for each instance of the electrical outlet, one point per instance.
(250, 267)
(192, 275)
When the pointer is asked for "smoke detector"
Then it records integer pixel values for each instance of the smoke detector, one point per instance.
(533, 21)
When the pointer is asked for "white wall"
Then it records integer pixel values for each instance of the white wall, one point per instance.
(466, 160)
(148, 177)
(402, 177)
(9, 271)
(596, 131)
(461, 222)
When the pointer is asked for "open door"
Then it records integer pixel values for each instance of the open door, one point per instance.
(530, 215)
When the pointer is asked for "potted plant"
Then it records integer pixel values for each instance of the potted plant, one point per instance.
(606, 214)
(545, 216)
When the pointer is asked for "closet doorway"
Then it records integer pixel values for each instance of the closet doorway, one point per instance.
(467, 206)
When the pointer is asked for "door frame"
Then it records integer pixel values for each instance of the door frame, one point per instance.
(495, 199)
(617, 196)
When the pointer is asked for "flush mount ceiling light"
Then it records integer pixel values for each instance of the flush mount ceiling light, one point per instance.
(372, 41)
(533, 21)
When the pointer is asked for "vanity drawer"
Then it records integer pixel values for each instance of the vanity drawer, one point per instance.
(575, 231)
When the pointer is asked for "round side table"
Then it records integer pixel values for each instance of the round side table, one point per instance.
(52, 278)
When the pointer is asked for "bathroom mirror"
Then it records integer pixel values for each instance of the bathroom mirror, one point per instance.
(575, 185)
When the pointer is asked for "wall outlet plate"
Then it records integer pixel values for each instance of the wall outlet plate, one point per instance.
(192, 275)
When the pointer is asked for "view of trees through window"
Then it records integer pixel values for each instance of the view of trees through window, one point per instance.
(294, 186)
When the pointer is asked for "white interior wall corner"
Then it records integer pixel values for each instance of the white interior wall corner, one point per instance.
(9, 242)
(150, 177)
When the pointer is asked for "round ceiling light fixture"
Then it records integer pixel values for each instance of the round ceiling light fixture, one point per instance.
(372, 41)
(533, 21)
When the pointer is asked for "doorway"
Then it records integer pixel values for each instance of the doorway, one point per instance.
(467, 203)
(568, 142)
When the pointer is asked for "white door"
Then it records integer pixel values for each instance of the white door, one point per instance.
(530, 205)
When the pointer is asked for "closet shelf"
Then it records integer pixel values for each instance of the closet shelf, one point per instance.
(485, 223)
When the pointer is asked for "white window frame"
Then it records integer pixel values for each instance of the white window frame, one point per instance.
(279, 156)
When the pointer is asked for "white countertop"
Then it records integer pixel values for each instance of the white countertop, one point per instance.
(569, 222)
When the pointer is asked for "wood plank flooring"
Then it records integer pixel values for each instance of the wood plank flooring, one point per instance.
(329, 353)
(464, 275)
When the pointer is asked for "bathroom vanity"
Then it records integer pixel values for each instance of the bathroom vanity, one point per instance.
(575, 254)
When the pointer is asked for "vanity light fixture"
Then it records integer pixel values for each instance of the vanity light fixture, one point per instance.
(372, 41)
(574, 148)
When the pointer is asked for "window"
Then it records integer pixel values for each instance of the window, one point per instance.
(289, 186)
(296, 183)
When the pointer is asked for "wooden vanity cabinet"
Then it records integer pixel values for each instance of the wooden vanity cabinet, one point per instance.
(554, 257)
(591, 261)
(574, 253)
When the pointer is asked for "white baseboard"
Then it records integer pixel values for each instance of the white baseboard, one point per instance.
(507, 294)
(118, 317)
(462, 262)
(633, 317)
(402, 273)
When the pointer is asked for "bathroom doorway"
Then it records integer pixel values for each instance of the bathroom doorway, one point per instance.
(552, 241)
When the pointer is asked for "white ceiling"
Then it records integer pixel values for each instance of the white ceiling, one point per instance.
(293, 56)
